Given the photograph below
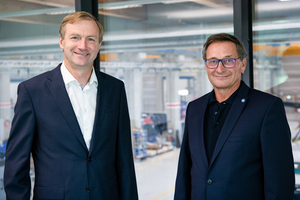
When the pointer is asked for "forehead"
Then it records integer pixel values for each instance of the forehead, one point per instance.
(221, 50)
(82, 27)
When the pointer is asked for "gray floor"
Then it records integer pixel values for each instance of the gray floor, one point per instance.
(156, 176)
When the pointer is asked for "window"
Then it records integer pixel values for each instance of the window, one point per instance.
(276, 53)
(155, 47)
(28, 47)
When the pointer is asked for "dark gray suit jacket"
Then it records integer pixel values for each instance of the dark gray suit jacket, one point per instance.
(252, 159)
(46, 126)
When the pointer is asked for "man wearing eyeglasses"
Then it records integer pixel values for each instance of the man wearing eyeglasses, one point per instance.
(237, 141)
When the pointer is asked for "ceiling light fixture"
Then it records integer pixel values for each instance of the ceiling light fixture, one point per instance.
(122, 7)
(175, 1)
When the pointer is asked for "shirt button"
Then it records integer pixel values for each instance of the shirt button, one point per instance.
(88, 189)
(209, 181)
(90, 159)
(216, 113)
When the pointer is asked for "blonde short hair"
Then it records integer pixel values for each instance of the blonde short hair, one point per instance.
(78, 16)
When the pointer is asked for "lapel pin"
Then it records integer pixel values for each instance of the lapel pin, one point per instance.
(243, 100)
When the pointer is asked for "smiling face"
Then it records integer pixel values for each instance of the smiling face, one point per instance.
(80, 44)
(225, 80)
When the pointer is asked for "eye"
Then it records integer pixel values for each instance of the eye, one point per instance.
(74, 37)
(212, 61)
(229, 60)
(91, 39)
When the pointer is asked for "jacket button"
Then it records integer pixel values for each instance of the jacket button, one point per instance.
(209, 181)
(88, 189)
(90, 159)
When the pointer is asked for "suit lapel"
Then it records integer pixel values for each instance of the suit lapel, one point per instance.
(233, 116)
(198, 133)
(102, 98)
(57, 89)
(203, 148)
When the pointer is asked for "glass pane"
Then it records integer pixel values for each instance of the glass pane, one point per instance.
(155, 47)
(277, 57)
(28, 46)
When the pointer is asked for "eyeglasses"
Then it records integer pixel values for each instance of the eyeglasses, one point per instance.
(227, 63)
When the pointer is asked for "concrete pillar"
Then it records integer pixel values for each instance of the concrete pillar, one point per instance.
(5, 104)
(159, 93)
(133, 79)
(203, 84)
(137, 96)
(127, 77)
(173, 101)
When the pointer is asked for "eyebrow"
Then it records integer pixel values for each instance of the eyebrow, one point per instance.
(76, 34)
(227, 56)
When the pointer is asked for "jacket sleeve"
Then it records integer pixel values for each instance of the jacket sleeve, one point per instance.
(124, 159)
(277, 157)
(17, 181)
(183, 179)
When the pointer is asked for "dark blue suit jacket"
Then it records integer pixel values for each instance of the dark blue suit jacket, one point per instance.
(46, 126)
(252, 159)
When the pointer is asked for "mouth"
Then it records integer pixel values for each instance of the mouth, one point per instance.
(223, 77)
(81, 54)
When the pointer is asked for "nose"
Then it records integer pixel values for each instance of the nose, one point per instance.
(82, 44)
(220, 66)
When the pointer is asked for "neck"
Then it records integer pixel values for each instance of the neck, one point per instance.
(82, 76)
(222, 94)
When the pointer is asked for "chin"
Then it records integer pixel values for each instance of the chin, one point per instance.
(220, 84)
(81, 64)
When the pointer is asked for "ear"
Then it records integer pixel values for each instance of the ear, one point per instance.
(99, 46)
(244, 64)
(61, 43)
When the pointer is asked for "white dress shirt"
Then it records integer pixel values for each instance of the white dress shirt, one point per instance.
(83, 101)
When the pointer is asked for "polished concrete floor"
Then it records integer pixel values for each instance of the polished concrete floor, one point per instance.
(156, 176)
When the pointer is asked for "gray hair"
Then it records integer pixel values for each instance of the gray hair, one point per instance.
(225, 37)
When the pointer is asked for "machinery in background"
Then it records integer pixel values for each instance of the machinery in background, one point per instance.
(154, 137)
(154, 124)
